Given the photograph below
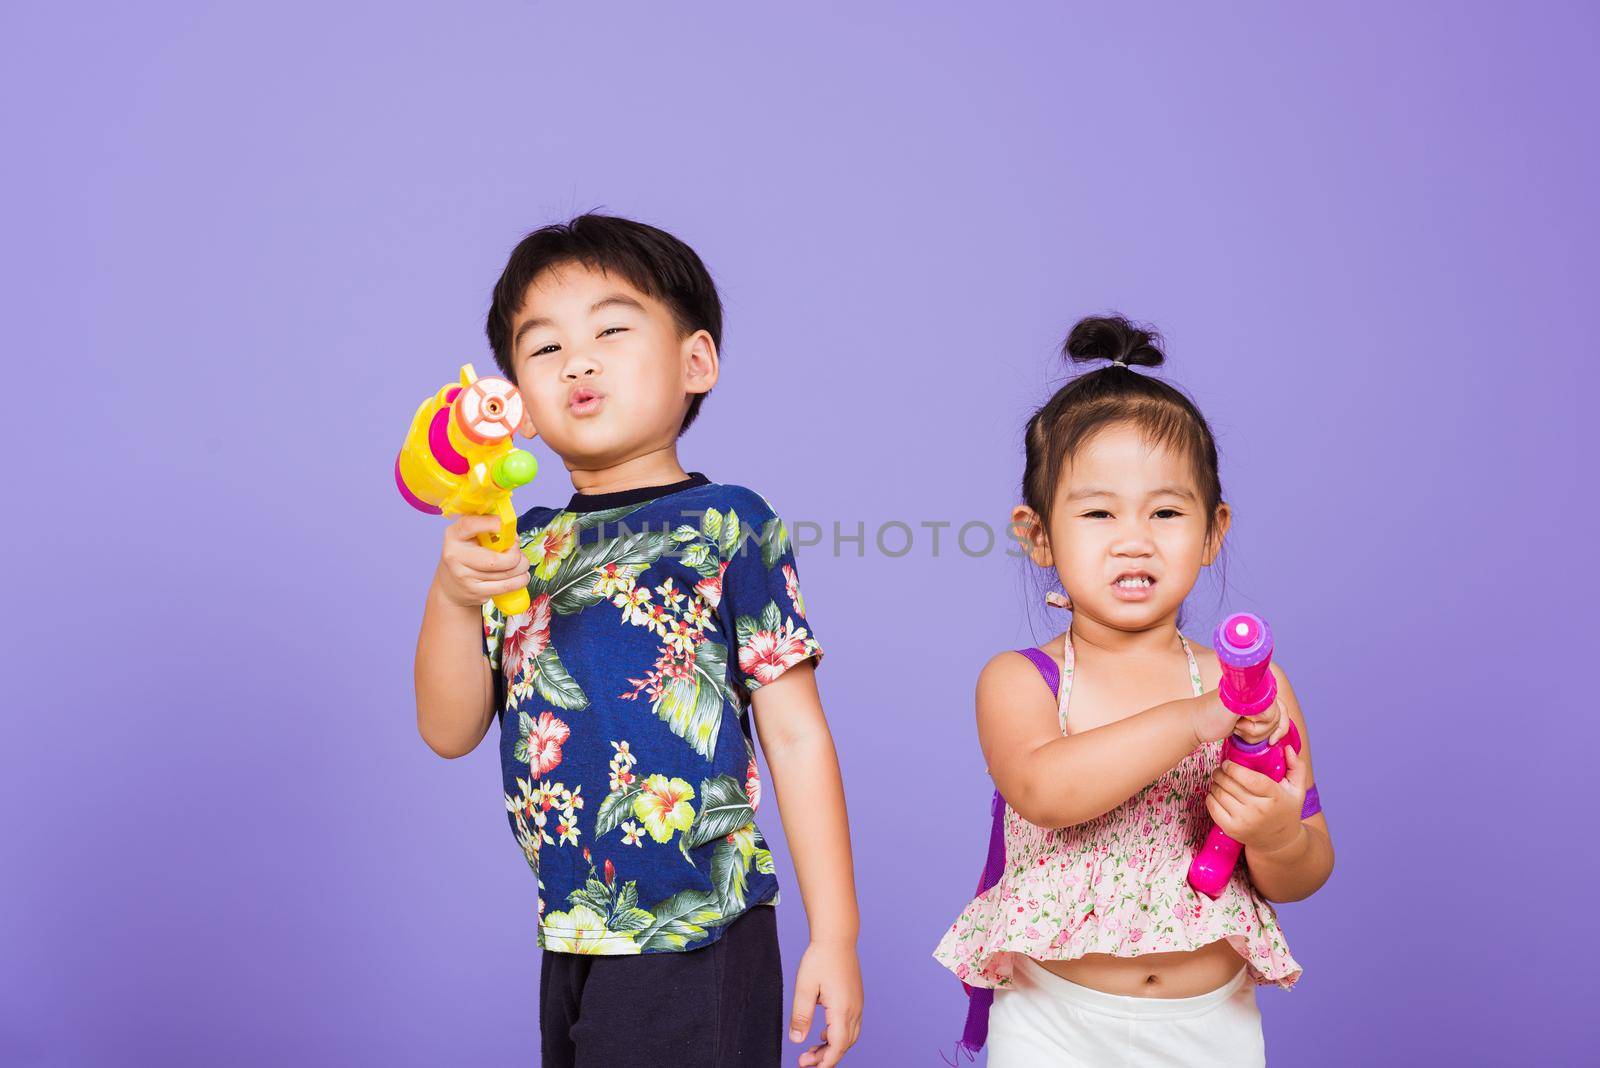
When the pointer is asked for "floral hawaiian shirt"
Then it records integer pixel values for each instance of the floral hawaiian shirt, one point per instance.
(624, 694)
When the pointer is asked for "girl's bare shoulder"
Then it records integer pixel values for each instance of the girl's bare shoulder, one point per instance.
(1205, 658)
(1008, 675)
(1055, 646)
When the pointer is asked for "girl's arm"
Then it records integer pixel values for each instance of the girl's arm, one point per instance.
(805, 775)
(1295, 871)
(1056, 780)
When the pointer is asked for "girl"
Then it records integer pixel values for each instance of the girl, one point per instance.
(1105, 745)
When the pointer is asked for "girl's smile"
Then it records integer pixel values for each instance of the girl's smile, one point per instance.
(1133, 586)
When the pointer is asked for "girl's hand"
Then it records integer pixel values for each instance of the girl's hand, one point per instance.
(829, 975)
(1254, 810)
(468, 574)
(1268, 725)
(1213, 721)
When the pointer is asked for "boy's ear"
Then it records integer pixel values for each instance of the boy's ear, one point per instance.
(701, 365)
(1219, 531)
(1030, 533)
(526, 427)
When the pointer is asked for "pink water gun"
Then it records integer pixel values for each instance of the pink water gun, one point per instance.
(1243, 643)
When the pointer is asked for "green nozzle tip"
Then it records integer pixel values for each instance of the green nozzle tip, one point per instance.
(515, 468)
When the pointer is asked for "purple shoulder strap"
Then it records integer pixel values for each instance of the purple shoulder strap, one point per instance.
(980, 998)
(1047, 667)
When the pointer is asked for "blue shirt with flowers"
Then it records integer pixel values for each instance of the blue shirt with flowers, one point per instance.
(623, 695)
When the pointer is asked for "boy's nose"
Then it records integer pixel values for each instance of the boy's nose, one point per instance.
(579, 365)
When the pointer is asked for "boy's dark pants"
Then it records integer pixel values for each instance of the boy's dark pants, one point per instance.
(720, 1006)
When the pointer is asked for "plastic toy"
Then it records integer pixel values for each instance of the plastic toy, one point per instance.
(458, 459)
(1243, 643)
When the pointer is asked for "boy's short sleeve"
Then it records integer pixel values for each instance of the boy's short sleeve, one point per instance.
(494, 628)
(761, 600)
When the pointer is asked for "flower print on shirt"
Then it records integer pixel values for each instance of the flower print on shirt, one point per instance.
(710, 586)
(664, 806)
(547, 548)
(568, 577)
(630, 748)
(767, 648)
(582, 930)
(752, 779)
(604, 917)
(762, 597)
(532, 666)
(527, 635)
(791, 586)
(547, 807)
(539, 741)
(687, 685)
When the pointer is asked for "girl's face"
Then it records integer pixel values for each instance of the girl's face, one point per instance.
(1127, 530)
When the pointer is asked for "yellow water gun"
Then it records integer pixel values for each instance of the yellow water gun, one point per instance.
(458, 460)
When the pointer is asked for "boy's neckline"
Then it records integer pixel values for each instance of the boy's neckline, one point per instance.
(597, 502)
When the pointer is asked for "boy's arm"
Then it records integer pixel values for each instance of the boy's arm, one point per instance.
(805, 775)
(454, 684)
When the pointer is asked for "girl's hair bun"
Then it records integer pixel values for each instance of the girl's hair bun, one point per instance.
(1111, 337)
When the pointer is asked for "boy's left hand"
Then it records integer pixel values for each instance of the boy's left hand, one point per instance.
(830, 976)
(1254, 810)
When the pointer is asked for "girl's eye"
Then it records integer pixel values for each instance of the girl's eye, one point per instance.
(547, 348)
(612, 330)
(1161, 512)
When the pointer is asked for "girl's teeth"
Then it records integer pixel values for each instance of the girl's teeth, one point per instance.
(1131, 584)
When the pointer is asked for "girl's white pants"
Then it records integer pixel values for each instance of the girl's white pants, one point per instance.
(1043, 1021)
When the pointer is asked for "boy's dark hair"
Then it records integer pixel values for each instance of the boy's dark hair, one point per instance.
(1115, 394)
(653, 261)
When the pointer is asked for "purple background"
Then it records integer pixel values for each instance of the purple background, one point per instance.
(245, 241)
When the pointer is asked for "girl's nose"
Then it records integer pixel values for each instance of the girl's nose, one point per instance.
(1133, 543)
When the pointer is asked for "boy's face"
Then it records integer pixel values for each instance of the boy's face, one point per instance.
(603, 369)
(1123, 506)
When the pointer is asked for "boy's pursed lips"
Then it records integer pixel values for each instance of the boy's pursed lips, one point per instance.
(584, 399)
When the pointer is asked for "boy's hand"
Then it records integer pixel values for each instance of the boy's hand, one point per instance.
(829, 975)
(1256, 811)
(468, 574)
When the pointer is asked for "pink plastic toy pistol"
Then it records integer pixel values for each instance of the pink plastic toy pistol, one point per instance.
(1244, 646)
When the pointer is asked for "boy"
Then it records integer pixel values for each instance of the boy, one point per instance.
(663, 606)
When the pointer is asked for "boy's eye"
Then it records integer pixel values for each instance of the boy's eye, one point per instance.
(547, 348)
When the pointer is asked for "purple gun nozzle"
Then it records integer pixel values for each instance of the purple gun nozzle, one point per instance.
(1242, 631)
(1243, 643)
